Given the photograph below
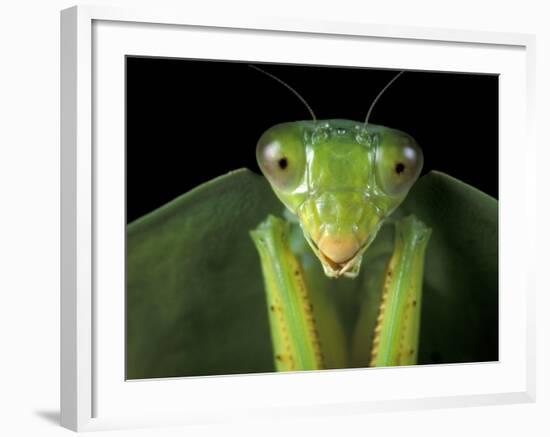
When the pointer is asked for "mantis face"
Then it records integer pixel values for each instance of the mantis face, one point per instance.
(342, 179)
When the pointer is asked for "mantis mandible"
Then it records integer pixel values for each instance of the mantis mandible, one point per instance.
(340, 180)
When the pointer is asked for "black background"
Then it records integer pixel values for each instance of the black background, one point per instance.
(189, 121)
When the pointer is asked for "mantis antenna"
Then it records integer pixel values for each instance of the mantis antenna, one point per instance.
(378, 96)
(289, 87)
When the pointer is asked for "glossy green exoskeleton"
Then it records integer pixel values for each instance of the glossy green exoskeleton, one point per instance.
(341, 180)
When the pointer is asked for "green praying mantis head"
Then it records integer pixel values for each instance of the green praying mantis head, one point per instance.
(342, 179)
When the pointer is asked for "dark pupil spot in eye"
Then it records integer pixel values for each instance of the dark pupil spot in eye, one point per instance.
(399, 168)
(283, 163)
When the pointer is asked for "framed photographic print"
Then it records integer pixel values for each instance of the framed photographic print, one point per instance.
(258, 208)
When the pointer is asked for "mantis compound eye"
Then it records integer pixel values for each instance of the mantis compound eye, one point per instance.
(281, 159)
(399, 161)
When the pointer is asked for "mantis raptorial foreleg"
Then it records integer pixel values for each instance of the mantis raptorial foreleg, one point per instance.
(294, 332)
(395, 340)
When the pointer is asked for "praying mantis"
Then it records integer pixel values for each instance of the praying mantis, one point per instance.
(339, 181)
(196, 296)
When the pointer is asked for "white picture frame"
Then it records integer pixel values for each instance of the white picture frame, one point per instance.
(94, 41)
